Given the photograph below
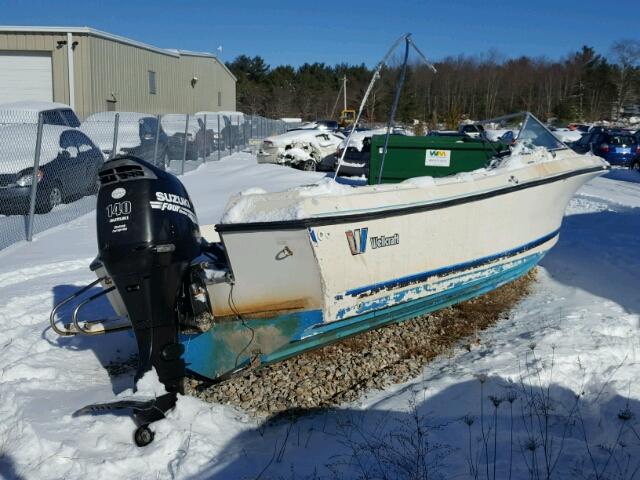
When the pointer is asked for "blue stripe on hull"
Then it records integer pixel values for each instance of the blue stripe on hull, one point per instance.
(424, 276)
(231, 345)
(425, 289)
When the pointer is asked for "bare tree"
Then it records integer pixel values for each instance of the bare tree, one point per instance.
(627, 56)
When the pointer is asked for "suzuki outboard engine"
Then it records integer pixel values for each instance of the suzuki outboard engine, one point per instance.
(148, 234)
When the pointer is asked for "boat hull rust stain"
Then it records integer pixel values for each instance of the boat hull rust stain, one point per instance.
(229, 346)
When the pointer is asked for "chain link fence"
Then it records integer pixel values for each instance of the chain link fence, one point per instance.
(49, 168)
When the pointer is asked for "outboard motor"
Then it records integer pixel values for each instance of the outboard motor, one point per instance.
(148, 234)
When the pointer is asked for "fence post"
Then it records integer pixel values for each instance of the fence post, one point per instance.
(34, 179)
(155, 147)
(219, 136)
(116, 125)
(244, 131)
(204, 140)
(184, 150)
(238, 133)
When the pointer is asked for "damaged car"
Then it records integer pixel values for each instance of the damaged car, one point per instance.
(309, 150)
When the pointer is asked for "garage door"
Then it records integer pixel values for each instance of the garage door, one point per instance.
(25, 76)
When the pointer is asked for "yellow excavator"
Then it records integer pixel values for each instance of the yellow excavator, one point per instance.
(347, 116)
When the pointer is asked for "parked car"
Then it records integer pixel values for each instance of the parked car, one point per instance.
(136, 135)
(326, 125)
(29, 111)
(303, 149)
(580, 127)
(443, 133)
(173, 124)
(473, 130)
(616, 147)
(68, 167)
(504, 135)
(567, 135)
(356, 160)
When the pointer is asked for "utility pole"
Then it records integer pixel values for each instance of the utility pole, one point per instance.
(344, 90)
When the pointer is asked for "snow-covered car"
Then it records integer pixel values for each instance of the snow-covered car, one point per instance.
(29, 111)
(231, 126)
(325, 125)
(173, 125)
(136, 135)
(505, 135)
(473, 130)
(567, 135)
(68, 167)
(581, 127)
(304, 149)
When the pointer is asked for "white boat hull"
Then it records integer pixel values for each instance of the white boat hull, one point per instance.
(389, 253)
(310, 263)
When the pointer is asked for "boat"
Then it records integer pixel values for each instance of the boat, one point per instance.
(299, 269)
(307, 269)
(283, 273)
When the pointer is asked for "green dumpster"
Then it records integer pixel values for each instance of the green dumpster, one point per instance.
(434, 156)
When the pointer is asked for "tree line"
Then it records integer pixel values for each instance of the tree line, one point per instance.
(583, 86)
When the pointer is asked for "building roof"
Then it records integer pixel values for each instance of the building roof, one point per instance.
(116, 38)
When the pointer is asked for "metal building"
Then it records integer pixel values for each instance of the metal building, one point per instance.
(95, 71)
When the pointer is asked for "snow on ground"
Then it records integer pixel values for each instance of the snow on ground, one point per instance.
(577, 331)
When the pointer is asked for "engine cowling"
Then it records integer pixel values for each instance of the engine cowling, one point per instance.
(148, 234)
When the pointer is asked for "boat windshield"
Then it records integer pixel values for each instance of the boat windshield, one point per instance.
(534, 134)
(522, 128)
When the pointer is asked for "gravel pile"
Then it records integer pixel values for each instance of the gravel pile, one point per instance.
(373, 360)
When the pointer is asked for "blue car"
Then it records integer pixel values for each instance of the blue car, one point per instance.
(619, 148)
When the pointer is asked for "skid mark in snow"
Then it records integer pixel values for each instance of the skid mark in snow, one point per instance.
(583, 204)
(31, 273)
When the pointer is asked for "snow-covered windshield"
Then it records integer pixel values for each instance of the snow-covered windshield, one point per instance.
(534, 134)
(522, 128)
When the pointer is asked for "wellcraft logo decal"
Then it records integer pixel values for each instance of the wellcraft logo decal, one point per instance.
(357, 240)
(384, 241)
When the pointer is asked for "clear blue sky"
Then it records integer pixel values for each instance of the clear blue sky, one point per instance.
(348, 31)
